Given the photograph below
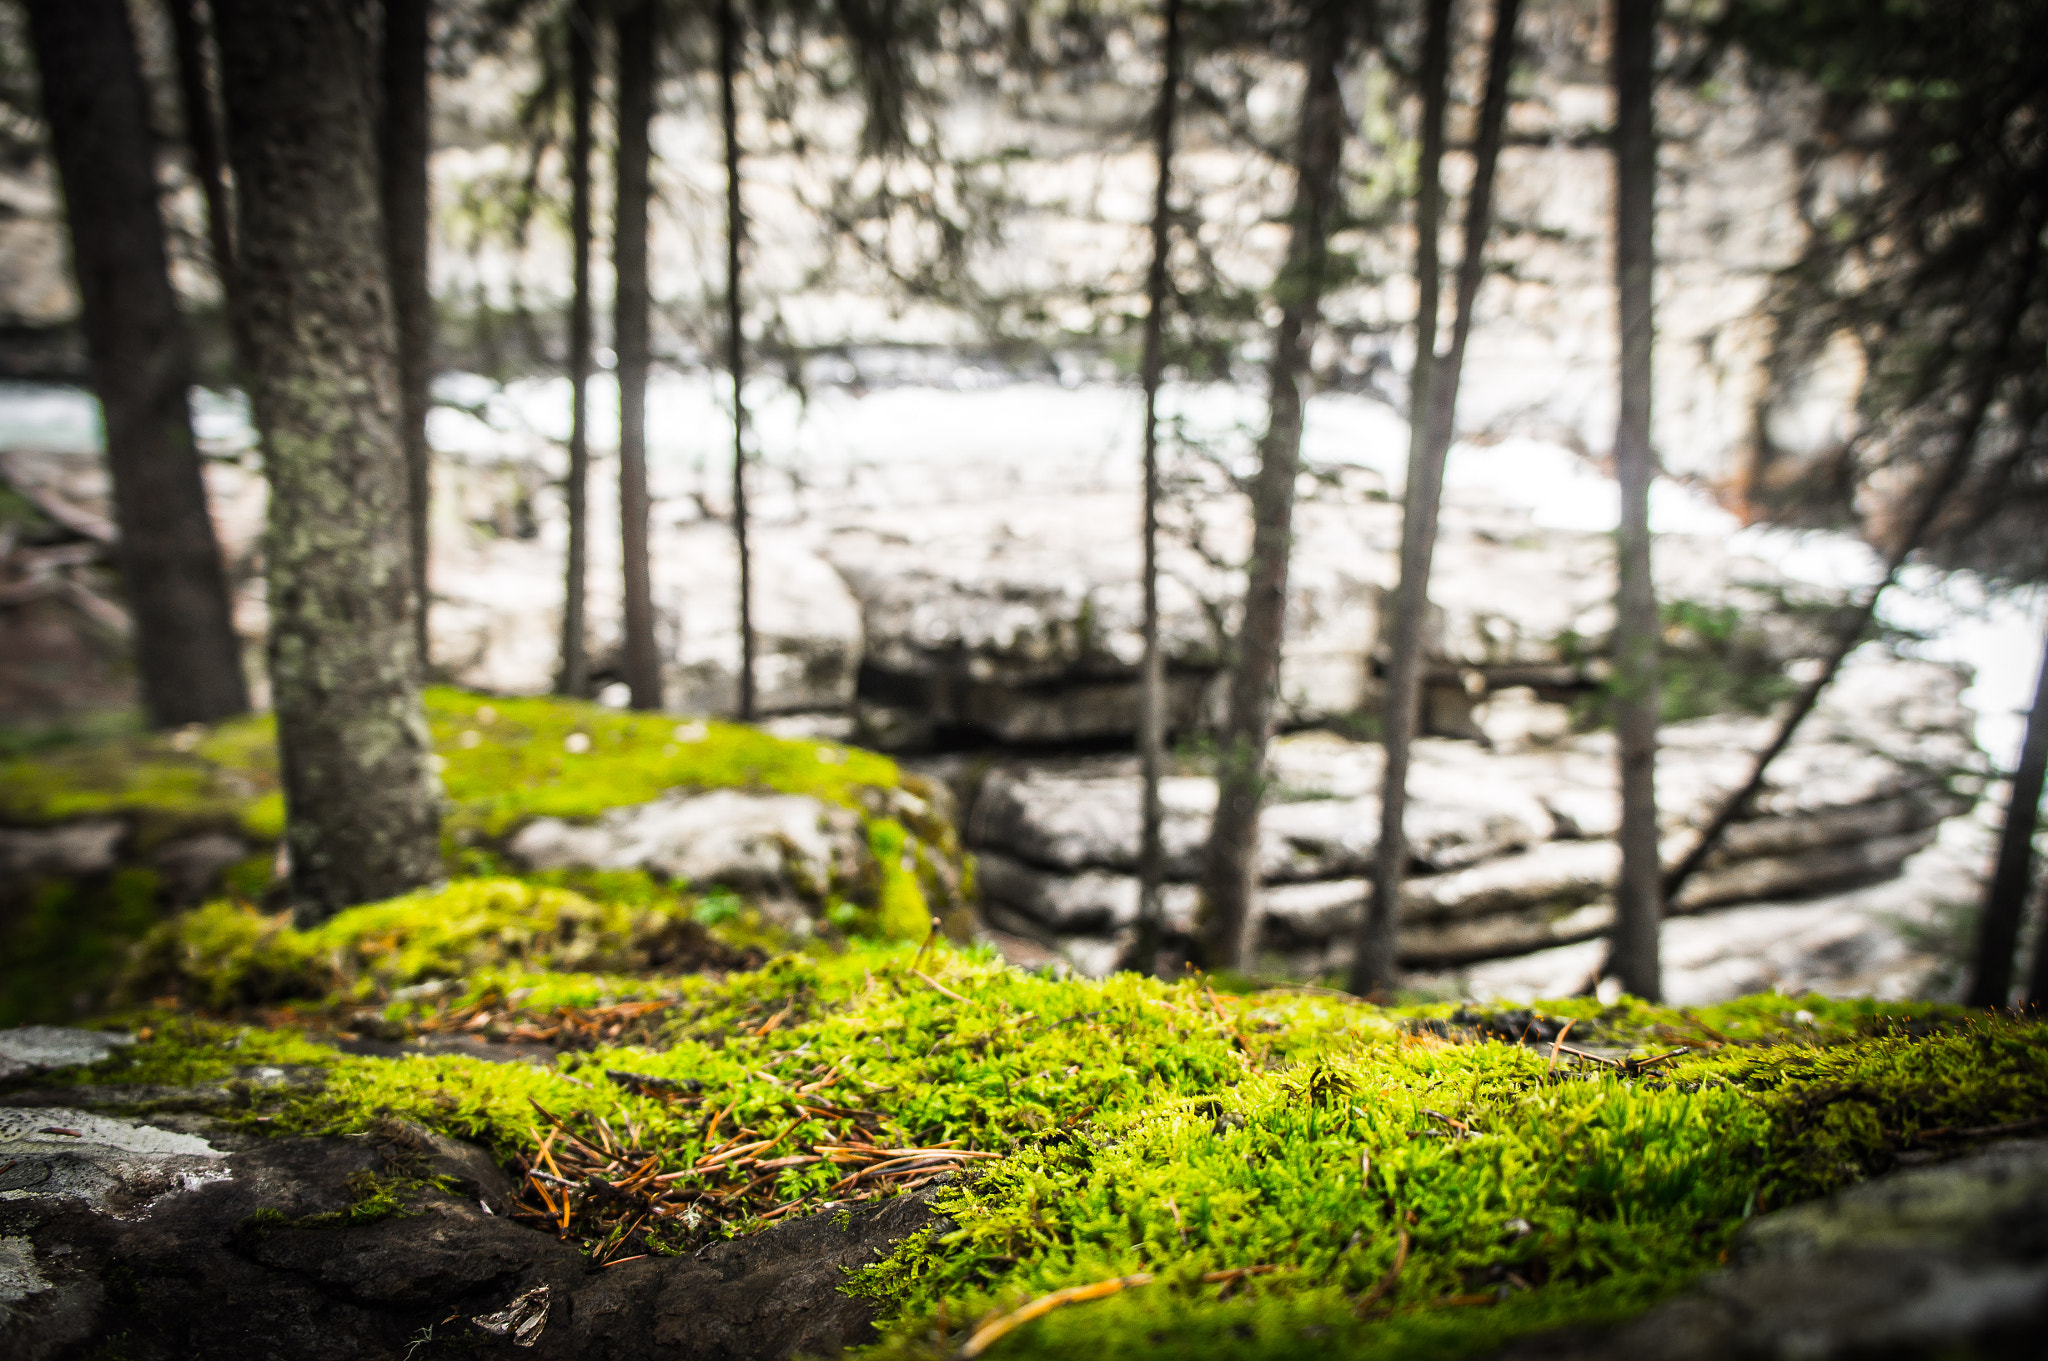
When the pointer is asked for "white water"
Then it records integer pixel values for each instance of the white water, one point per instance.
(1051, 430)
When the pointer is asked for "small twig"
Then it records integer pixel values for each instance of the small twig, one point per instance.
(929, 941)
(989, 1333)
(1643, 1065)
(1055, 1025)
(940, 986)
(1386, 1282)
(1558, 1044)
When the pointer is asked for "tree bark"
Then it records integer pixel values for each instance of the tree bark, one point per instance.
(1375, 962)
(405, 138)
(1230, 861)
(93, 100)
(636, 43)
(209, 165)
(1931, 498)
(575, 674)
(362, 799)
(2005, 902)
(735, 339)
(1638, 906)
(1152, 675)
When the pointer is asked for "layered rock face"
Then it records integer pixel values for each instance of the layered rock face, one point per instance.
(996, 605)
(1512, 848)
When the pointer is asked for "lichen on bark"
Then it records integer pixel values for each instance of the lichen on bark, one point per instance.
(360, 789)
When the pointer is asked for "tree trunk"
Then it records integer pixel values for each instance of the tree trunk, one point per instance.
(1638, 908)
(362, 799)
(1375, 958)
(405, 137)
(636, 42)
(1931, 499)
(1152, 677)
(93, 100)
(1374, 962)
(1230, 863)
(209, 167)
(2005, 902)
(575, 674)
(735, 340)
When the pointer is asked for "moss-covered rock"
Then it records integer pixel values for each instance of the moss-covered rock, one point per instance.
(1266, 1173)
(209, 797)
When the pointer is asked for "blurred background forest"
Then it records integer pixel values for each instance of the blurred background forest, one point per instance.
(1065, 399)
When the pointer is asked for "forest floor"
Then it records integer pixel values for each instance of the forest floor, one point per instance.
(1126, 1167)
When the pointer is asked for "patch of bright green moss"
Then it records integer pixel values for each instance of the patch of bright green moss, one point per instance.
(228, 954)
(68, 940)
(504, 761)
(1176, 1131)
(178, 1050)
(513, 759)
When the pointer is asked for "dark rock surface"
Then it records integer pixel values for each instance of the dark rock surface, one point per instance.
(1948, 1261)
(180, 1236)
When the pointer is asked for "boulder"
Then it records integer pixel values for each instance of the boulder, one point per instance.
(787, 849)
(1511, 850)
(1925, 1262)
(184, 1236)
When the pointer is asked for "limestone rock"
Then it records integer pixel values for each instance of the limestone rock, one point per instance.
(784, 847)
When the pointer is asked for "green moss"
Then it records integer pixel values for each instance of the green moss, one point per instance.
(513, 759)
(228, 954)
(901, 913)
(1170, 1130)
(69, 940)
(505, 761)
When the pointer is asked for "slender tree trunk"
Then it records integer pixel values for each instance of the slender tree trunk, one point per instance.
(209, 166)
(361, 796)
(2037, 981)
(575, 675)
(1152, 677)
(405, 137)
(93, 100)
(735, 339)
(1230, 863)
(1374, 961)
(2005, 903)
(1638, 906)
(1931, 498)
(636, 43)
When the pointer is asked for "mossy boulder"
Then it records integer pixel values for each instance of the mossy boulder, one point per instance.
(112, 832)
(1265, 1175)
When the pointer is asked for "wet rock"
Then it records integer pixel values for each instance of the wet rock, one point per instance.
(1942, 1261)
(202, 1240)
(43, 1048)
